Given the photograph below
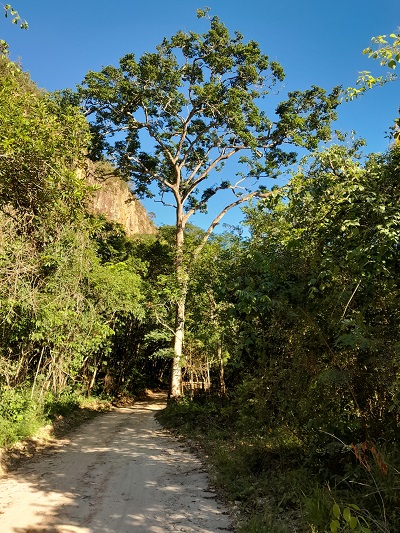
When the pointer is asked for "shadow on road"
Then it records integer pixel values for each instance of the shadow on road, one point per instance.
(121, 472)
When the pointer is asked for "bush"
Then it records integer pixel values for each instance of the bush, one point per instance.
(20, 416)
(60, 404)
(14, 403)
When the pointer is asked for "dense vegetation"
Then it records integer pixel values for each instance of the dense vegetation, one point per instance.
(311, 419)
(290, 359)
(72, 292)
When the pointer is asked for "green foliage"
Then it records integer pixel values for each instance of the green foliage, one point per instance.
(251, 468)
(309, 306)
(347, 519)
(193, 106)
(9, 11)
(43, 144)
(23, 413)
(327, 261)
(19, 415)
(385, 49)
(388, 52)
(68, 281)
(300, 319)
(14, 403)
(62, 404)
(198, 94)
(16, 19)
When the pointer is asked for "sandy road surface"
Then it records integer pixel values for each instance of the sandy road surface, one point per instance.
(122, 473)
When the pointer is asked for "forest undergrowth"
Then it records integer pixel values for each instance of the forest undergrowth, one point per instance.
(275, 483)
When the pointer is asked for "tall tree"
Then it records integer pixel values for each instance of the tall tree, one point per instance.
(178, 115)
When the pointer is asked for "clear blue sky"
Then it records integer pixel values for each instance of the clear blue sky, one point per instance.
(317, 43)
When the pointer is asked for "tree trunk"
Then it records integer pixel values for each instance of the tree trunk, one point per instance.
(222, 387)
(176, 376)
(181, 279)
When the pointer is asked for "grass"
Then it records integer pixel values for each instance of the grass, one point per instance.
(271, 482)
(247, 469)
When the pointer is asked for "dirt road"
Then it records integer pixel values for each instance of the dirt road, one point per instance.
(122, 473)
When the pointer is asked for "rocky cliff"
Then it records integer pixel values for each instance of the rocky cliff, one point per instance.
(116, 202)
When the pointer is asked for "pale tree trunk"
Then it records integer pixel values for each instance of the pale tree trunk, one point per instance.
(176, 375)
(222, 386)
(181, 278)
(181, 275)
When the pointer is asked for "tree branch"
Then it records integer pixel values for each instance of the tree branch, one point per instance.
(160, 179)
(217, 219)
(204, 175)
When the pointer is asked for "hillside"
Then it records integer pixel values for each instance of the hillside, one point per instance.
(115, 200)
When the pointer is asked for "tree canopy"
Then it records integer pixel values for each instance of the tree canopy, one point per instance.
(197, 97)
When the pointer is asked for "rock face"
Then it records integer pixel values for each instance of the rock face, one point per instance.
(116, 202)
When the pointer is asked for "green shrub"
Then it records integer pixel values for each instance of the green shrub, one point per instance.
(14, 403)
(20, 416)
(60, 404)
(7, 432)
